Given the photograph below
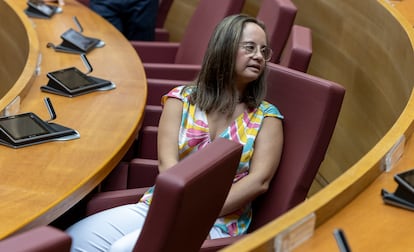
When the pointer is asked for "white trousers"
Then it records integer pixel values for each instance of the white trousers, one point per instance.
(114, 230)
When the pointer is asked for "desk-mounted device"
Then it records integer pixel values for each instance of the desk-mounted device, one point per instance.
(38, 9)
(75, 42)
(404, 195)
(341, 240)
(71, 82)
(27, 129)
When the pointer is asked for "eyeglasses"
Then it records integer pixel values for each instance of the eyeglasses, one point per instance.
(250, 49)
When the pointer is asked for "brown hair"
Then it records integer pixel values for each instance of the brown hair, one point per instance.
(215, 82)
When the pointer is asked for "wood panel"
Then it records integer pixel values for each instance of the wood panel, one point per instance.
(20, 50)
(368, 54)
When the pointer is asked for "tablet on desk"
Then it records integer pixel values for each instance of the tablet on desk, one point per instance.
(404, 195)
(406, 179)
(41, 10)
(28, 129)
(73, 40)
(71, 82)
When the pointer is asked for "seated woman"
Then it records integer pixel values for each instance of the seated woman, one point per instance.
(225, 101)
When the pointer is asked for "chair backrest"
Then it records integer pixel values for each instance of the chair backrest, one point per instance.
(38, 239)
(163, 9)
(188, 198)
(278, 16)
(311, 106)
(206, 16)
(84, 2)
(298, 49)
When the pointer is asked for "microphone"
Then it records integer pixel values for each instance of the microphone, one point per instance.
(86, 63)
(341, 241)
(76, 20)
(50, 108)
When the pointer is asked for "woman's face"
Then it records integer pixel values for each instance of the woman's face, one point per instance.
(250, 62)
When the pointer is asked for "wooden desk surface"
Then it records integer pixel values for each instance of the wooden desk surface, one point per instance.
(39, 183)
(406, 8)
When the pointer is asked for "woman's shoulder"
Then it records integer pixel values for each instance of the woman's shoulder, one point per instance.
(182, 91)
(179, 92)
(269, 109)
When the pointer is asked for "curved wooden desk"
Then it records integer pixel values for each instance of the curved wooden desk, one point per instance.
(374, 60)
(39, 183)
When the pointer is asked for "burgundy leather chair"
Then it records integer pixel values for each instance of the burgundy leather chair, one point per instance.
(84, 2)
(39, 239)
(162, 34)
(311, 106)
(185, 204)
(297, 52)
(278, 16)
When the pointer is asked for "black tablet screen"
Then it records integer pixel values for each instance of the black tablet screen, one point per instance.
(408, 177)
(72, 78)
(45, 9)
(20, 127)
(77, 39)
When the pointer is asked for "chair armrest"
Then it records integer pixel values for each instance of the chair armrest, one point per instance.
(147, 148)
(106, 200)
(152, 115)
(156, 89)
(156, 52)
(117, 179)
(142, 172)
(217, 244)
(137, 173)
(185, 72)
(162, 34)
(159, 87)
(43, 238)
(297, 52)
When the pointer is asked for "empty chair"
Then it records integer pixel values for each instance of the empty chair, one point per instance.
(39, 239)
(181, 61)
(297, 52)
(311, 106)
(84, 2)
(163, 9)
(278, 16)
(162, 34)
(185, 204)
